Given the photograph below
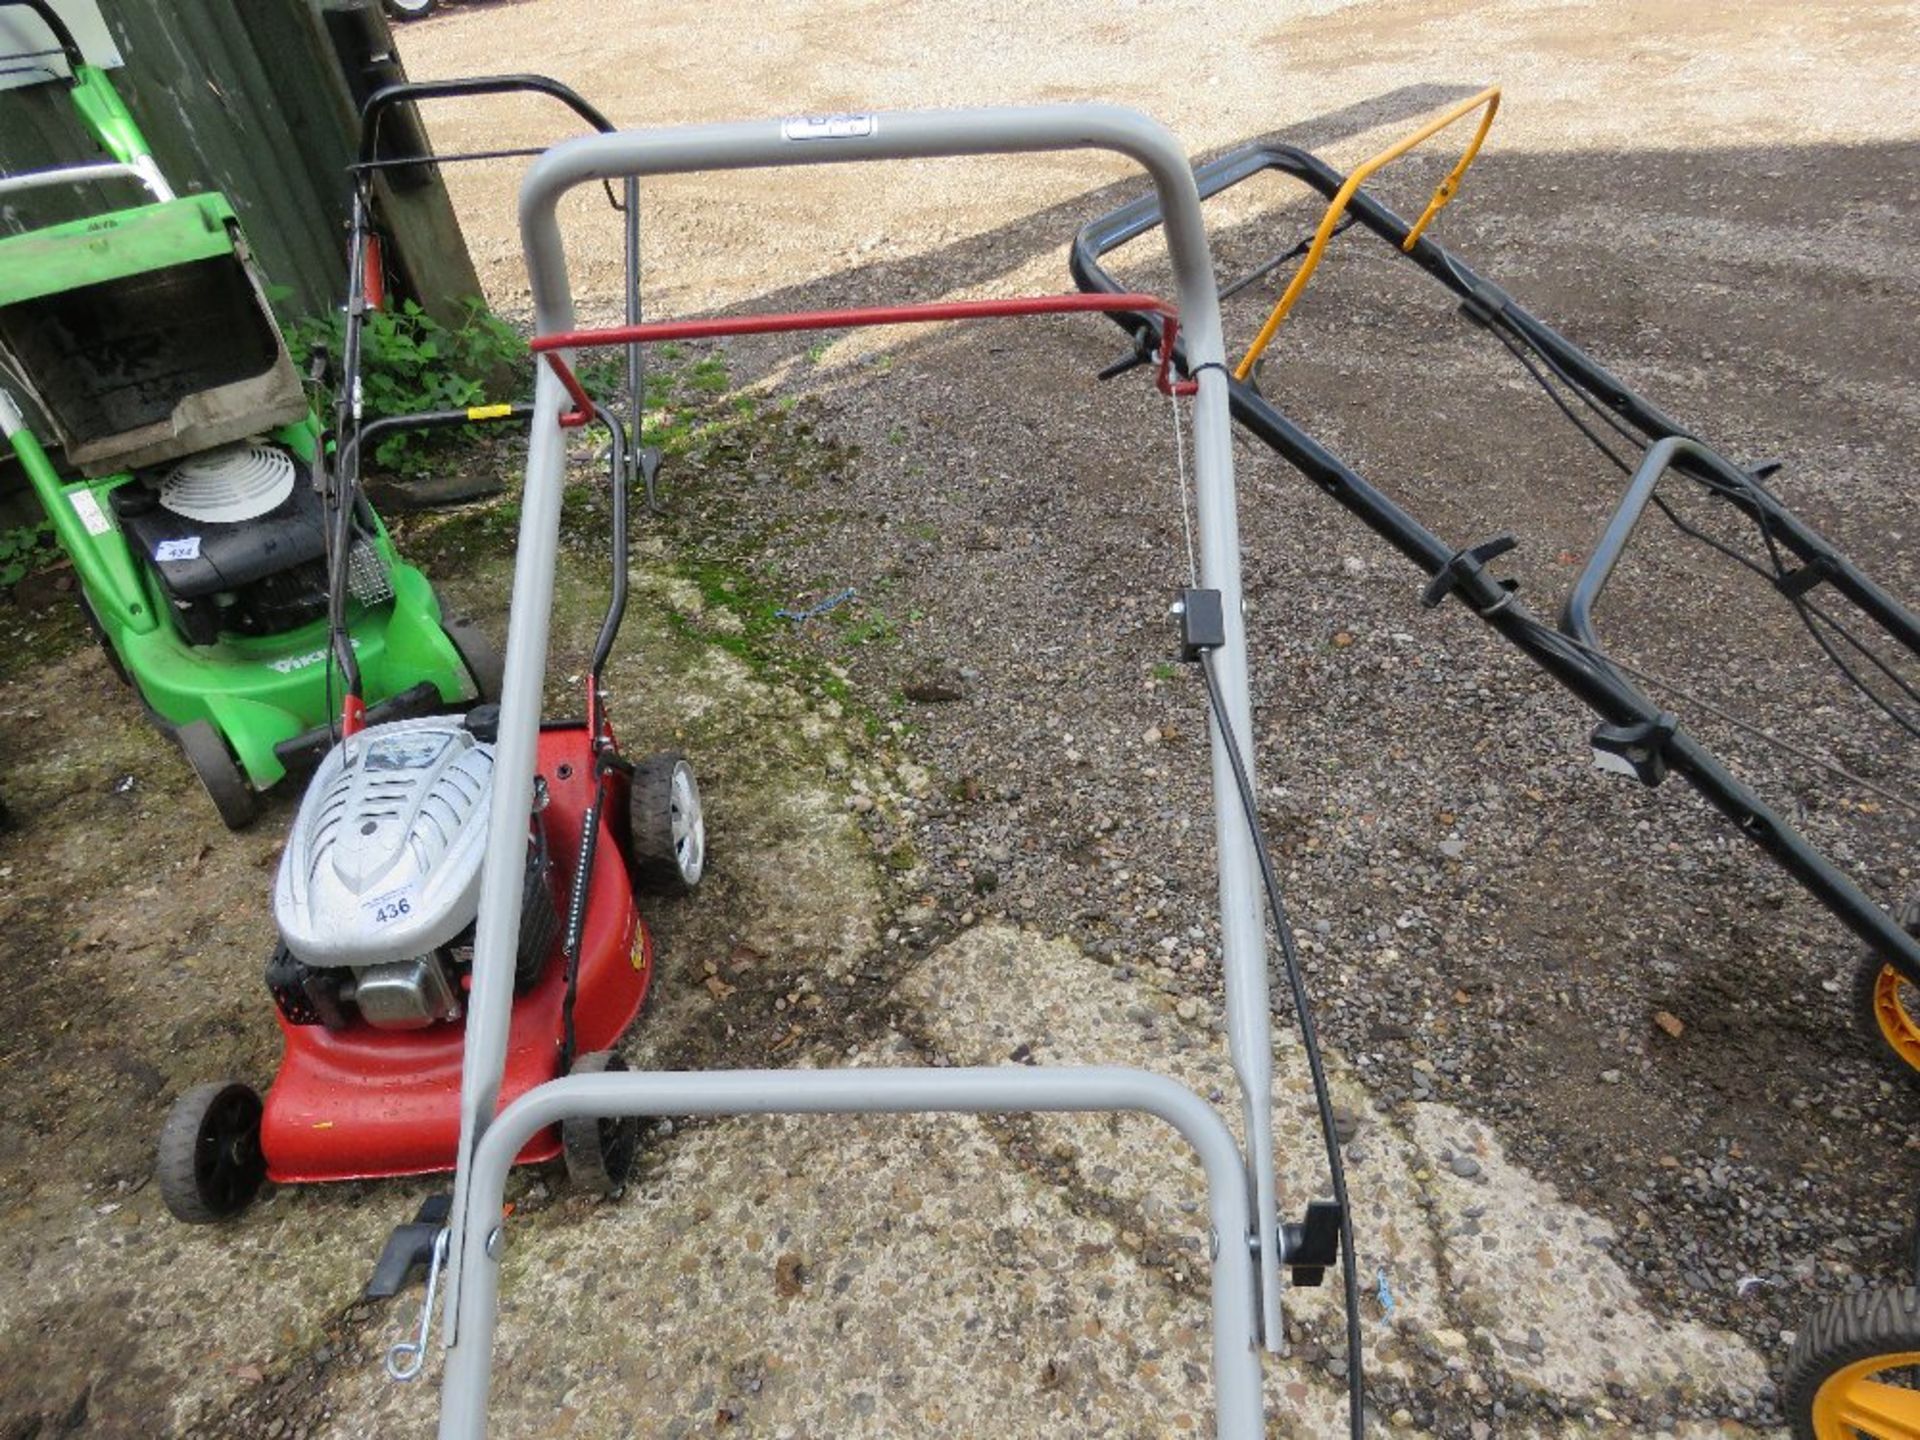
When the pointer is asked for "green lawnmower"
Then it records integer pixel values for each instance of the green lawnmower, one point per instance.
(191, 497)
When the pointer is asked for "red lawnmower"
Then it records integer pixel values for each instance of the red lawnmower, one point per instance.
(376, 899)
(378, 888)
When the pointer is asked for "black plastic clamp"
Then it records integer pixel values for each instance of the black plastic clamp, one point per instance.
(1639, 747)
(1145, 352)
(1466, 572)
(1310, 1247)
(409, 1248)
(1203, 623)
(1796, 583)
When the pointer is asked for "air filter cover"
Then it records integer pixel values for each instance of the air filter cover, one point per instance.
(232, 483)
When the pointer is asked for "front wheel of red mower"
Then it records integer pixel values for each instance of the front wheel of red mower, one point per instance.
(207, 753)
(600, 1150)
(209, 1164)
(1853, 1369)
(669, 824)
(1889, 1006)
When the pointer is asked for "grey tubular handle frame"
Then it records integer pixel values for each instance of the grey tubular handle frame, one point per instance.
(144, 173)
(1247, 1262)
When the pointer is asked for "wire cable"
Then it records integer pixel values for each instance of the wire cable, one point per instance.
(1507, 333)
(1310, 1042)
(1832, 767)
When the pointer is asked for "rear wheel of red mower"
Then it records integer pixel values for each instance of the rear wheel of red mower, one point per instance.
(1889, 1005)
(1853, 1368)
(669, 824)
(600, 1150)
(409, 9)
(209, 1163)
(207, 753)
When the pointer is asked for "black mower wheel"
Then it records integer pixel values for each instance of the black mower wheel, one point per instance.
(1853, 1367)
(1888, 1006)
(209, 1163)
(486, 665)
(106, 646)
(207, 753)
(669, 825)
(600, 1150)
(409, 9)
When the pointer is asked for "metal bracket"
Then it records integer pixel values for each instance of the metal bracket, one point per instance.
(1466, 572)
(1311, 1247)
(1638, 750)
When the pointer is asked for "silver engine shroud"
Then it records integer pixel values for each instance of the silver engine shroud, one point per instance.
(383, 865)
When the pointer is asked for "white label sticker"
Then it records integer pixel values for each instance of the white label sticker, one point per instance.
(826, 127)
(90, 513)
(187, 549)
(391, 905)
(404, 751)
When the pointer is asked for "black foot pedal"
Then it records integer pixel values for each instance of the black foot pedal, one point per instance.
(409, 1248)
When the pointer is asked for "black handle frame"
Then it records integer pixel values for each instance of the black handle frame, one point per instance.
(62, 36)
(1583, 671)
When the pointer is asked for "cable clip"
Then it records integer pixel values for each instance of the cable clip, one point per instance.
(1203, 622)
(1794, 584)
(1466, 573)
(1308, 1248)
(1638, 750)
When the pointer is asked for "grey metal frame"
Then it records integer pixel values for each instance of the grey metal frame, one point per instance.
(143, 173)
(1246, 1274)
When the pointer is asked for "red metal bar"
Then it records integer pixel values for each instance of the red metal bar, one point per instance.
(373, 275)
(856, 318)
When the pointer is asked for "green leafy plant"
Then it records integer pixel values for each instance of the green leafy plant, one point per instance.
(410, 362)
(23, 550)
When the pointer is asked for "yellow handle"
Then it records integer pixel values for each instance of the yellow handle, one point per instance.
(489, 412)
(1488, 98)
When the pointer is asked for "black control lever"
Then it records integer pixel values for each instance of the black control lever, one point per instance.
(1308, 1249)
(409, 1248)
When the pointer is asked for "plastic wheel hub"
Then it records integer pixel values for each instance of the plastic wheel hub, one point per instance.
(689, 825)
(1895, 1021)
(1852, 1401)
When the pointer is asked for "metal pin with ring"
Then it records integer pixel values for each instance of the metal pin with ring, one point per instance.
(407, 1358)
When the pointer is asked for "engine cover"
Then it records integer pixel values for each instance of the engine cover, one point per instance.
(383, 864)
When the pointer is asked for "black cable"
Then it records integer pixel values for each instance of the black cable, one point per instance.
(1806, 611)
(1552, 394)
(1336, 1169)
(1267, 267)
(1865, 650)
(1506, 333)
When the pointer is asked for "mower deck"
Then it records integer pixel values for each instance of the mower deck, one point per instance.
(364, 1103)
